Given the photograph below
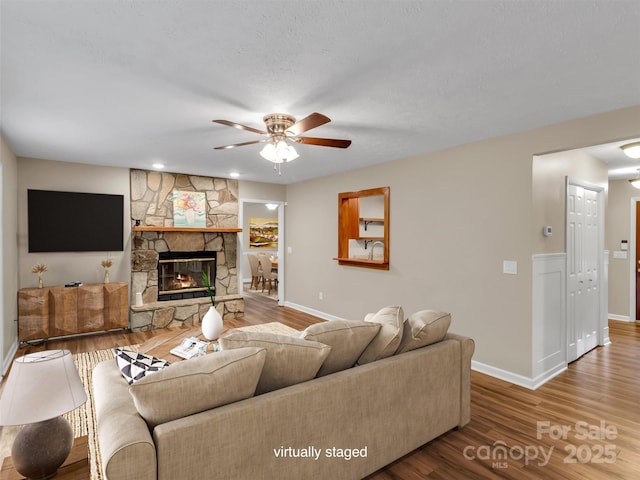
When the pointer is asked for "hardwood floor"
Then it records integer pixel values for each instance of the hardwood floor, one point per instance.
(590, 424)
(583, 424)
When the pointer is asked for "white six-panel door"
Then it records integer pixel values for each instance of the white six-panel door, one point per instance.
(583, 279)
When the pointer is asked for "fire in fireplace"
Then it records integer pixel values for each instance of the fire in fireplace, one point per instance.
(180, 274)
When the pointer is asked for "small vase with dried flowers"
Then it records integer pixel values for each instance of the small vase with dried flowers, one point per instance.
(106, 264)
(39, 269)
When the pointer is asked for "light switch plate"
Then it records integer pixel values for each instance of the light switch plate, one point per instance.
(510, 267)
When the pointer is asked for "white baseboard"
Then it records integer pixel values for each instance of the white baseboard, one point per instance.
(521, 380)
(311, 311)
(622, 318)
(6, 361)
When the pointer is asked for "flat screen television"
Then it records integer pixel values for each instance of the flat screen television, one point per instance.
(75, 222)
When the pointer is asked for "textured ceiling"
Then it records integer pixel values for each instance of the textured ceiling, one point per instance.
(130, 83)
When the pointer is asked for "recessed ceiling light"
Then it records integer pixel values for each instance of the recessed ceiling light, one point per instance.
(159, 166)
(234, 174)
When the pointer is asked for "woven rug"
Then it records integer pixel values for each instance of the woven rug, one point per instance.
(82, 419)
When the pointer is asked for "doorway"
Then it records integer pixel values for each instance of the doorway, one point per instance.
(584, 244)
(261, 209)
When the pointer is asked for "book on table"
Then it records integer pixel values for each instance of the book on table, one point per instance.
(191, 347)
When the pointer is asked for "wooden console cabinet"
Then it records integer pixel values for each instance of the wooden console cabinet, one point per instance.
(59, 311)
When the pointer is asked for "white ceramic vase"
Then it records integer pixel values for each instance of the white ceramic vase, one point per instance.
(211, 324)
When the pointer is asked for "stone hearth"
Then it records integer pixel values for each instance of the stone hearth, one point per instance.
(152, 206)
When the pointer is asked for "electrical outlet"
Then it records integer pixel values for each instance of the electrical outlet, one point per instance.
(320, 295)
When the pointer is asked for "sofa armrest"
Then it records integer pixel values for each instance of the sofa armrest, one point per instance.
(127, 450)
(467, 346)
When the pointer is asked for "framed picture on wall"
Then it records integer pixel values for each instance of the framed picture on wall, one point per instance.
(189, 209)
(263, 232)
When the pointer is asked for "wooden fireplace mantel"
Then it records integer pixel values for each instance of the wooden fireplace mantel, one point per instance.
(152, 228)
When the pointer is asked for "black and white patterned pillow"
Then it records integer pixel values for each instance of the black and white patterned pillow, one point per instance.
(135, 366)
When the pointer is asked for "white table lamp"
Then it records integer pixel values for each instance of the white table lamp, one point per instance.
(41, 387)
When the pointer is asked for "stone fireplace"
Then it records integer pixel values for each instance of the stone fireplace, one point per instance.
(156, 239)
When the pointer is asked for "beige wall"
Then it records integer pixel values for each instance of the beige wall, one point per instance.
(64, 267)
(618, 223)
(9, 252)
(549, 191)
(455, 216)
(262, 191)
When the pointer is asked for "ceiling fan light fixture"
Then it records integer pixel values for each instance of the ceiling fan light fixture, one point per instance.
(279, 153)
(632, 150)
(282, 129)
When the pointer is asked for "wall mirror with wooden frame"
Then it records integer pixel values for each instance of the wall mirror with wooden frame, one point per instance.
(363, 228)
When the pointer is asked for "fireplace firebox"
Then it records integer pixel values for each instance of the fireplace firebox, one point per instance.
(180, 274)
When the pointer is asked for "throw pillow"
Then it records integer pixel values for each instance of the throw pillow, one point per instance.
(424, 328)
(347, 340)
(198, 384)
(135, 366)
(289, 360)
(386, 342)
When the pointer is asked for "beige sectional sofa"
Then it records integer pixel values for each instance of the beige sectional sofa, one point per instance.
(344, 424)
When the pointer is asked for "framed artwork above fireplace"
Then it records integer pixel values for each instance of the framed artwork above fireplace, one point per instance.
(189, 209)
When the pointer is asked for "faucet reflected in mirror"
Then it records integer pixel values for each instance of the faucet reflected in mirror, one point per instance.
(377, 242)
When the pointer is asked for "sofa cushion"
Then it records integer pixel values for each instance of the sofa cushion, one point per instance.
(198, 384)
(424, 328)
(386, 342)
(289, 360)
(347, 340)
(134, 366)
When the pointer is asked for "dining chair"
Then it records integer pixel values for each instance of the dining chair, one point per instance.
(256, 270)
(267, 272)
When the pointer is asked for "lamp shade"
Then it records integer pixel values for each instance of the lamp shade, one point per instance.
(292, 154)
(268, 152)
(41, 386)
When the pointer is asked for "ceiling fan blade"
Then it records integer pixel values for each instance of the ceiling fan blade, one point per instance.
(312, 121)
(324, 142)
(225, 147)
(239, 126)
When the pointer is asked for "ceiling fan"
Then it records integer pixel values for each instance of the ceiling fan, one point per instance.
(282, 128)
